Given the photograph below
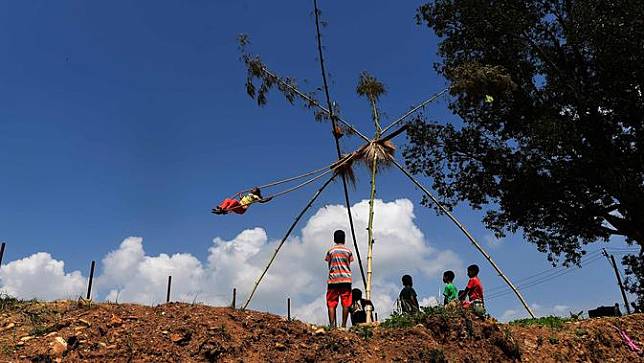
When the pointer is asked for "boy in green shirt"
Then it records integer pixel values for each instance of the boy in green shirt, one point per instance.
(450, 292)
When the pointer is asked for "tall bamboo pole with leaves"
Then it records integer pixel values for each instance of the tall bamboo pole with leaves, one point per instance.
(336, 136)
(371, 88)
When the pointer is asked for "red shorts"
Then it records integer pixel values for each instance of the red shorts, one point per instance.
(341, 291)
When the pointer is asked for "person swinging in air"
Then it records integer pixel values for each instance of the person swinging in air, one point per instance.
(240, 206)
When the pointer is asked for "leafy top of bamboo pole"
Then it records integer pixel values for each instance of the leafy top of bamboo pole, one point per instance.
(370, 87)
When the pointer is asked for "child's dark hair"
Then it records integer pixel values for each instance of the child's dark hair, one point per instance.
(449, 275)
(407, 281)
(356, 294)
(474, 269)
(338, 236)
(256, 191)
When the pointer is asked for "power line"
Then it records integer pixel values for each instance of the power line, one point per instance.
(545, 279)
(555, 270)
(548, 271)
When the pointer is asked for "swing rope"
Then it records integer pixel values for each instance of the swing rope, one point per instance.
(332, 168)
(278, 182)
(282, 181)
(306, 182)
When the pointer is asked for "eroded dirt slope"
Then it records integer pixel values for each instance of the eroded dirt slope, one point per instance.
(69, 331)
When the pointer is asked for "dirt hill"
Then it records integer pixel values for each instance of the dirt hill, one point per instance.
(69, 331)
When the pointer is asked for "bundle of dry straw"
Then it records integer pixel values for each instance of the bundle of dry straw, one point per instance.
(382, 150)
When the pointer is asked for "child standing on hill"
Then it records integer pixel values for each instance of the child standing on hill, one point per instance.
(358, 307)
(474, 292)
(240, 206)
(408, 298)
(339, 260)
(450, 293)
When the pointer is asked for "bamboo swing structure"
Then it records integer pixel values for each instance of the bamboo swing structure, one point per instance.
(377, 153)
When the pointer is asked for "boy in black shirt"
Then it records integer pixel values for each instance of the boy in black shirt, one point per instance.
(358, 308)
(408, 298)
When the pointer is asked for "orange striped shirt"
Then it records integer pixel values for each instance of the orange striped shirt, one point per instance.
(339, 259)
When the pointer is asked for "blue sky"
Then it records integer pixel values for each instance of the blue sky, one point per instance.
(131, 119)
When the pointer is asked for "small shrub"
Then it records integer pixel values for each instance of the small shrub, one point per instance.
(435, 355)
(397, 320)
(539, 341)
(363, 331)
(223, 332)
(508, 345)
(38, 330)
(553, 340)
(8, 302)
(603, 339)
(581, 332)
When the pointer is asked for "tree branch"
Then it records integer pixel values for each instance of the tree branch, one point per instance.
(313, 102)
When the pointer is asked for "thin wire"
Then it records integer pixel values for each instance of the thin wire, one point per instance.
(531, 277)
(536, 283)
(544, 280)
(549, 273)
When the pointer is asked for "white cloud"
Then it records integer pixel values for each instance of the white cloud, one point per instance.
(42, 277)
(510, 315)
(429, 301)
(122, 264)
(537, 309)
(299, 270)
(561, 309)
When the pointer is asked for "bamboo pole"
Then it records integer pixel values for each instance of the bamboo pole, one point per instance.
(2, 252)
(288, 308)
(332, 116)
(91, 280)
(288, 233)
(469, 236)
(611, 260)
(418, 107)
(372, 197)
(167, 295)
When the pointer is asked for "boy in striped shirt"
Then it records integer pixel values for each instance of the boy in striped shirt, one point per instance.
(339, 259)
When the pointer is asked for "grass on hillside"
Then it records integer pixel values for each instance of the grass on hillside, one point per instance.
(397, 320)
(552, 322)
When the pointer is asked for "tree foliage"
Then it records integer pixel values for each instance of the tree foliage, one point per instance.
(552, 133)
(260, 80)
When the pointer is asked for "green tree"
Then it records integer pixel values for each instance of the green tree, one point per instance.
(552, 134)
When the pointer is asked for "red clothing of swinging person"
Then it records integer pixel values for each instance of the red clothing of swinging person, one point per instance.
(240, 206)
